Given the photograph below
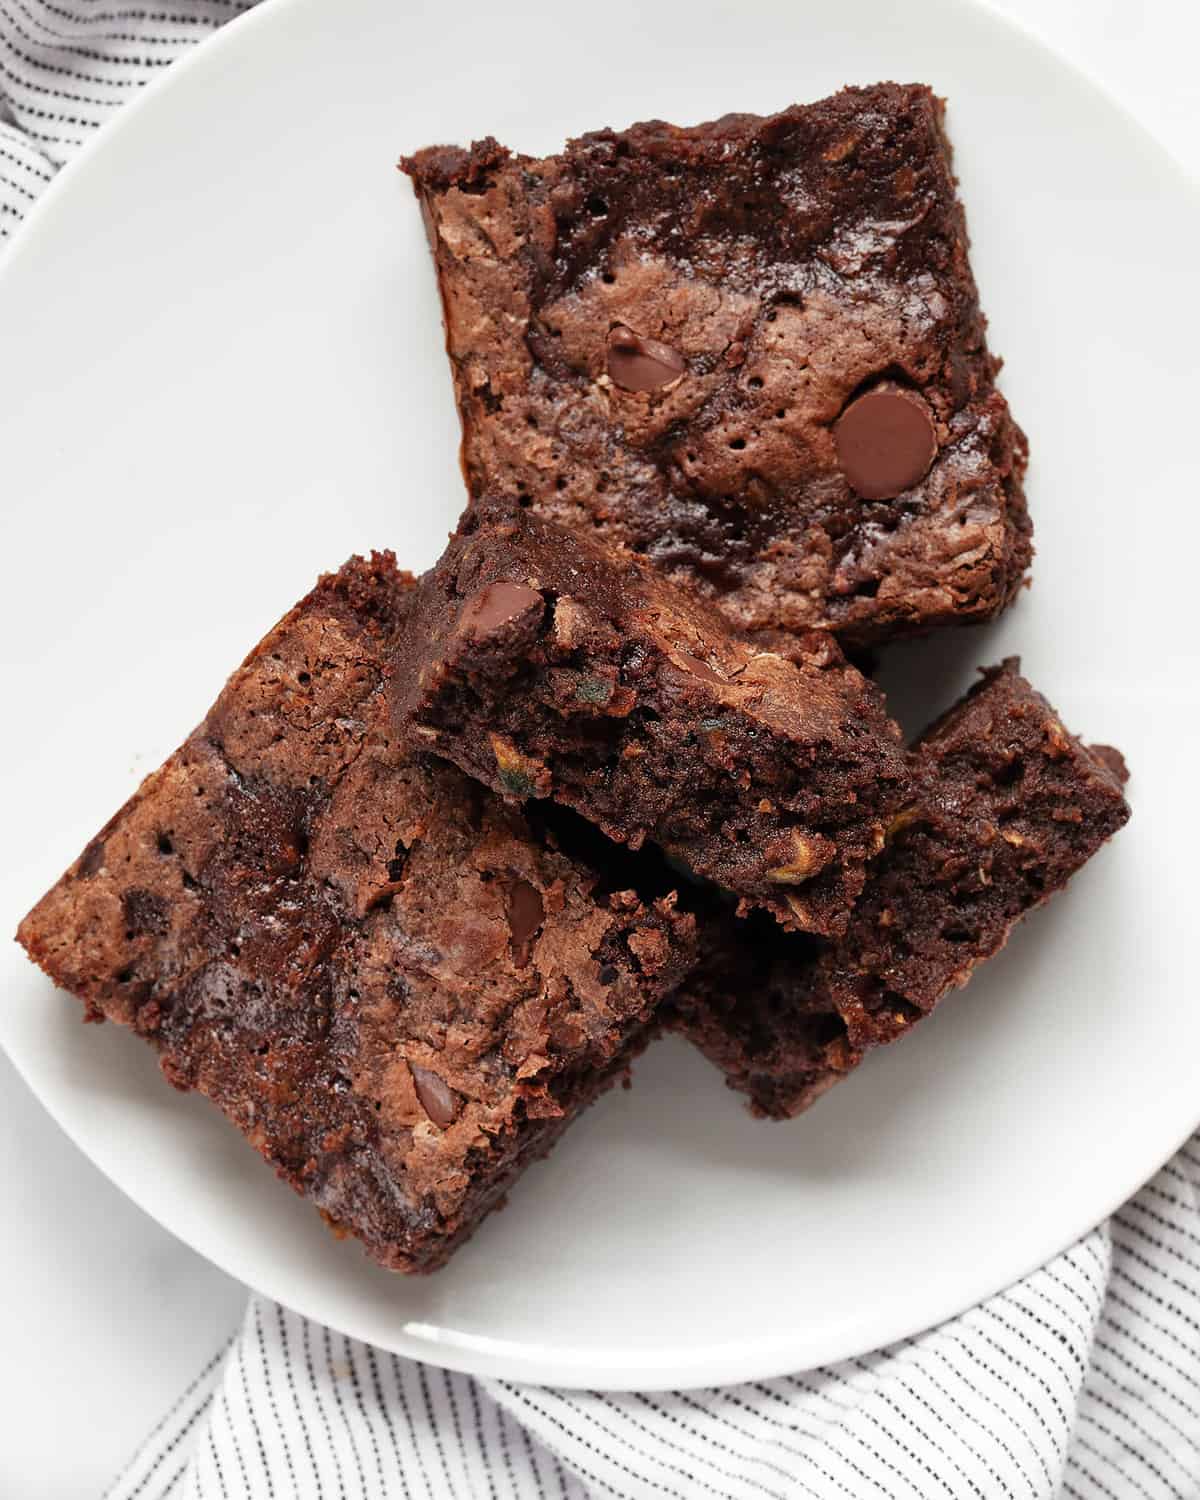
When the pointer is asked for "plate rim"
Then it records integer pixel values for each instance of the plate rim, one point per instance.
(726, 1363)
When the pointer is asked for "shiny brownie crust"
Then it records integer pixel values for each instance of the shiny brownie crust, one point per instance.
(396, 989)
(771, 270)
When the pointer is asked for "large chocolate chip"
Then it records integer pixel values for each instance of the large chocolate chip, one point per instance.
(91, 860)
(438, 1099)
(885, 441)
(145, 914)
(496, 605)
(699, 668)
(638, 364)
(525, 915)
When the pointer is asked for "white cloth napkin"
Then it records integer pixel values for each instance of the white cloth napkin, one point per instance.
(1083, 1379)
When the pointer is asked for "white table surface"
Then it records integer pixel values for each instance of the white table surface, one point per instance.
(106, 1317)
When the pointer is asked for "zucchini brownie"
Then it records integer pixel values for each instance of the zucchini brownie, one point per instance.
(751, 351)
(545, 667)
(1009, 806)
(387, 980)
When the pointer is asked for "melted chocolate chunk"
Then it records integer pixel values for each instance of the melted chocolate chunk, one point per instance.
(699, 668)
(638, 364)
(496, 605)
(886, 441)
(438, 1099)
(525, 914)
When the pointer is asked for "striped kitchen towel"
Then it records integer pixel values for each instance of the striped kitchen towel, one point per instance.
(1083, 1379)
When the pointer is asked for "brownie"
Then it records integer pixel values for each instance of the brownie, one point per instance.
(547, 668)
(751, 351)
(397, 990)
(1009, 806)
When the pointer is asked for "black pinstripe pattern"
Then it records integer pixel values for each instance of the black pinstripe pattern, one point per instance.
(64, 68)
(217, 1467)
(660, 1437)
(589, 1415)
(412, 1431)
(361, 1408)
(926, 1435)
(534, 1467)
(230, 1428)
(589, 1474)
(505, 1449)
(1021, 1401)
(1132, 1341)
(433, 1428)
(269, 1389)
(723, 1423)
(172, 1483)
(998, 1485)
(62, 41)
(201, 1387)
(251, 1412)
(166, 1450)
(383, 1407)
(286, 1361)
(477, 1412)
(955, 1371)
(351, 1442)
(319, 1406)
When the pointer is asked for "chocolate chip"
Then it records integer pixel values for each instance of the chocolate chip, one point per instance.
(496, 605)
(525, 915)
(885, 441)
(144, 913)
(92, 859)
(638, 364)
(699, 668)
(438, 1099)
(608, 974)
(395, 867)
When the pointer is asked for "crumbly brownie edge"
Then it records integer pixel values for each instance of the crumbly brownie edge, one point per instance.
(571, 694)
(785, 1027)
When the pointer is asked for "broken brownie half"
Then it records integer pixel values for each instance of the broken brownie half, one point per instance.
(751, 351)
(393, 986)
(546, 667)
(1009, 806)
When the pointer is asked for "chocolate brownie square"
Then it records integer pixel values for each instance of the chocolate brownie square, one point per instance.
(1009, 806)
(545, 667)
(399, 991)
(751, 351)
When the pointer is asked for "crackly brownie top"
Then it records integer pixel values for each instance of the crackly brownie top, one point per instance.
(548, 667)
(752, 350)
(374, 965)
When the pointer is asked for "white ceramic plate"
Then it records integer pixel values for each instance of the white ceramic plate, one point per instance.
(221, 372)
